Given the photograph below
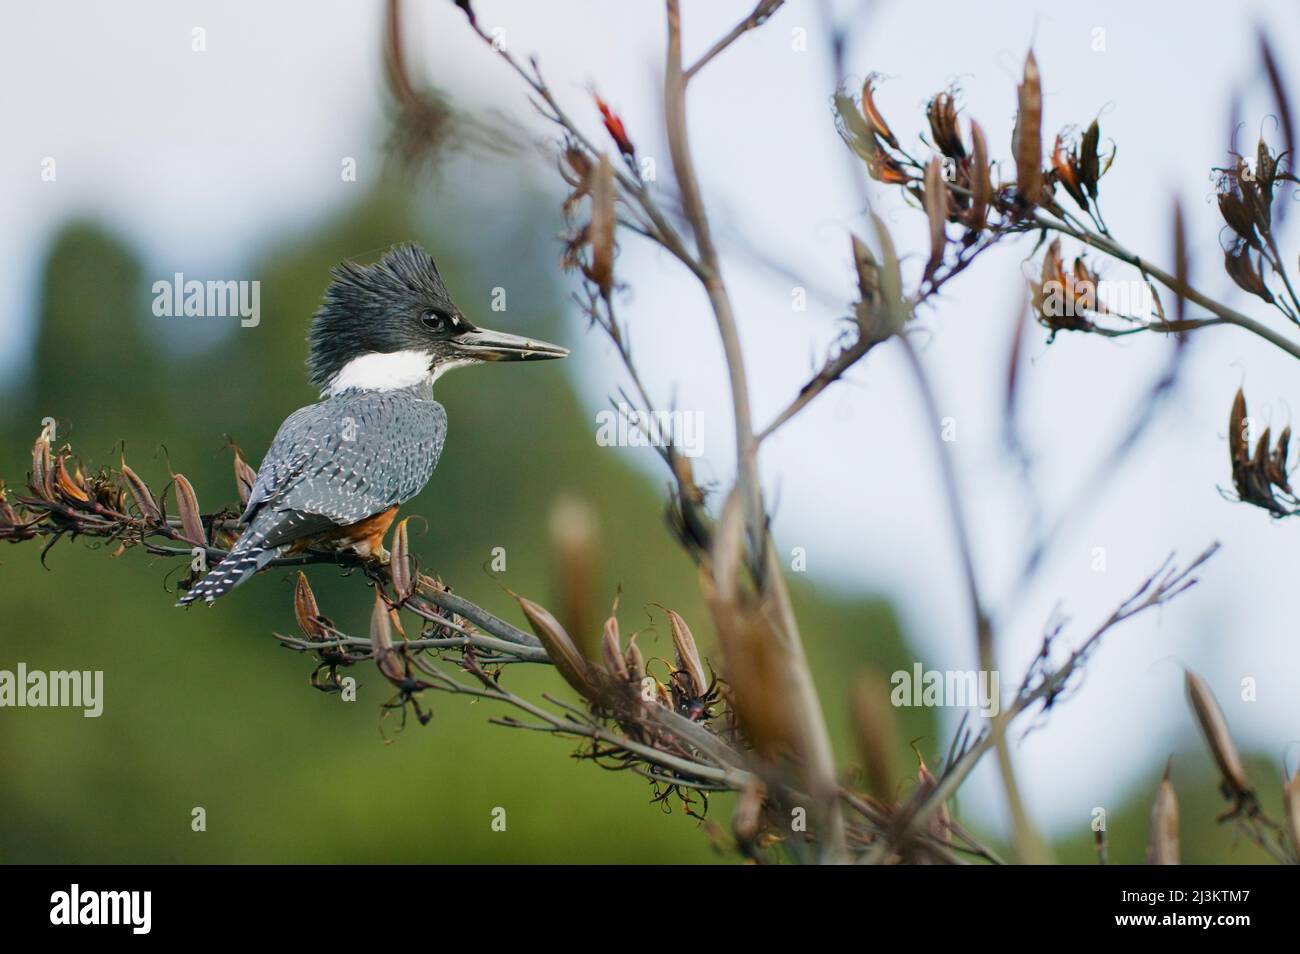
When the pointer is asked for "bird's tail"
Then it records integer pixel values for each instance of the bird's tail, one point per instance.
(249, 555)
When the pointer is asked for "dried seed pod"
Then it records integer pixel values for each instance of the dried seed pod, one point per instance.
(981, 180)
(872, 114)
(70, 489)
(245, 478)
(1056, 297)
(1182, 266)
(757, 666)
(563, 653)
(868, 273)
(1257, 196)
(188, 505)
(1028, 136)
(1215, 730)
(1063, 168)
(611, 651)
(1162, 847)
(885, 168)
(1233, 209)
(874, 718)
(381, 638)
(688, 653)
(41, 479)
(1089, 170)
(306, 611)
(601, 230)
(942, 114)
(1238, 447)
(1246, 271)
(576, 567)
(891, 276)
(399, 563)
(1276, 469)
(144, 501)
(935, 200)
(635, 661)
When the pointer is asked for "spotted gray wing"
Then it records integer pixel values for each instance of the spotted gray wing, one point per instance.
(345, 459)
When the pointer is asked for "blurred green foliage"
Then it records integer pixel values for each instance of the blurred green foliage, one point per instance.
(203, 708)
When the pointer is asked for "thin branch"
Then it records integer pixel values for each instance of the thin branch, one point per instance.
(756, 18)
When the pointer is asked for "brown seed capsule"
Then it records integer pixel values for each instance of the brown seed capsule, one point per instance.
(381, 639)
(144, 501)
(936, 210)
(1233, 209)
(635, 661)
(981, 181)
(868, 273)
(1028, 136)
(1181, 264)
(563, 653)
(885, 168)
(1238, 448)
(611, 652)
(399, 563)
(1215, 730)
(1276, 469)
(757, 665)
(1248, 275)
(68, 487)
(601, 230)
(942, 114)
(869, 110)
(245, 478)
(574, 536)
(1063, 167)
(874, 718)
(1162, 846)
(1089, 171)
(42, 474)
(305, 609)
(188, 505)
(688, 653)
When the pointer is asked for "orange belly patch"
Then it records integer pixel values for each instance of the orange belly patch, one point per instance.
(365, 538)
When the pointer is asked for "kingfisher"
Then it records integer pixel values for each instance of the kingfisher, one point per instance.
(338, 470)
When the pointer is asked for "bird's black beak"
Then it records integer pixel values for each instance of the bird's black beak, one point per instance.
(484, 345)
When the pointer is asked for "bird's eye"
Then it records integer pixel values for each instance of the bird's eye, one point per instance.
(435, 320)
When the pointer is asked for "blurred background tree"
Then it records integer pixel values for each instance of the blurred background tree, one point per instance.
(203, 709)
